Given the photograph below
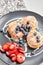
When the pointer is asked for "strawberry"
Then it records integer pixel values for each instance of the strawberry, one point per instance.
(12, 55)
(17, 52)
(20, 49)
(13, 59)
(2, 50)
(20, 58)
(22, 52)
(11, 47)
(13, 51)
(5, 46)
(8, 43)
(7, 54)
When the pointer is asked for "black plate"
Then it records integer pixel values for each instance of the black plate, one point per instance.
(35, 60)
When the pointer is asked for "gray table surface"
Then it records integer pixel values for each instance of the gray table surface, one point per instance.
(7, 6)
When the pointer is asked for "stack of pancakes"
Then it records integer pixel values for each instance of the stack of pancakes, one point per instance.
(26, 27)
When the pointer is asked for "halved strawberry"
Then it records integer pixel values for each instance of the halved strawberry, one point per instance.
(12, 55)
(8, 43)
(11, 47)
(13, 51)
(5, 46)
(1, 49)
(13, 59)
(20, 58)
(7, 54)
(20, 49)
(17, 52)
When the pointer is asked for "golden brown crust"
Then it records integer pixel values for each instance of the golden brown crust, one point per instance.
(12, 28)
(31, 40)
(32, 20)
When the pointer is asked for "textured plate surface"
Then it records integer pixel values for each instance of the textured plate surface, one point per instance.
(18, 14)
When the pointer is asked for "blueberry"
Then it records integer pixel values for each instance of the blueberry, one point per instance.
(25, 33)
(22, 26)
(16, 31)
(38, 37)
(17, 28)
(38, 40)
(21, 42)
(35, 33)
(29, 28)
(28, 22)
(21, 29)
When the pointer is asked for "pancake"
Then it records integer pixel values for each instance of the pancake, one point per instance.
(30, 21)
(35, 39)
(12, 30)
